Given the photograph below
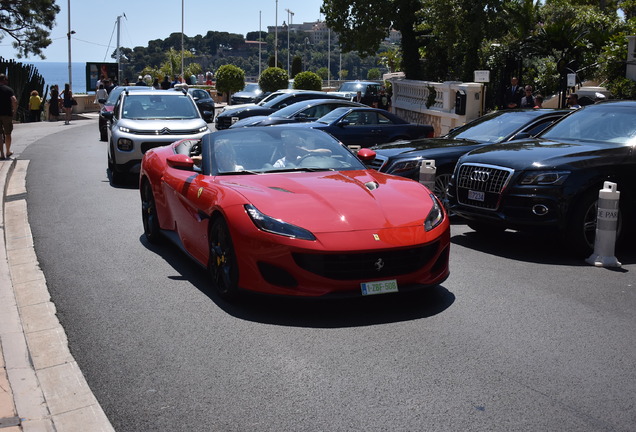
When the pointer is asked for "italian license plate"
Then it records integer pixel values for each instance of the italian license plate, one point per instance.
(234, 119)
(476, 195)
(379, 287)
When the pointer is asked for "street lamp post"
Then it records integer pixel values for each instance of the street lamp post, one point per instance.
(70, 32)
(276, 37)
(290, 15)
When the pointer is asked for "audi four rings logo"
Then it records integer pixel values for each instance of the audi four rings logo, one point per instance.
(480, 176)
(379, 264)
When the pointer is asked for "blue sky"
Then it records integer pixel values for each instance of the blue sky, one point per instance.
(95, 36)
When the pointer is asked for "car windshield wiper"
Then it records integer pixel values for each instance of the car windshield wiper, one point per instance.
(306, 169)
(240, 172)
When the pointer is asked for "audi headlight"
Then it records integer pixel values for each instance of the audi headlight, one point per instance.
(435, 216)
(408, 165)
(277, 226)
(555, 178)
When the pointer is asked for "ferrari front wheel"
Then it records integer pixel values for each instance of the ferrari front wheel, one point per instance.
(149, 213)
(223, 266)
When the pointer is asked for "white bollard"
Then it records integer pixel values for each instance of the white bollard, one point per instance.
(427, 174)
(606, 227)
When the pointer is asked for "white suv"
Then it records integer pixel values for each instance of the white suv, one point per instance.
(142, 120)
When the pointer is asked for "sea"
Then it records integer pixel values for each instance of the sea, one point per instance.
(57, 73)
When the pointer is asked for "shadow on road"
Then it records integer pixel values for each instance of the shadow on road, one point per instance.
(540, 248)
(315, 313)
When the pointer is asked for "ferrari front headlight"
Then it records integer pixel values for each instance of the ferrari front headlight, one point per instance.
(435, 216)
(277, 226)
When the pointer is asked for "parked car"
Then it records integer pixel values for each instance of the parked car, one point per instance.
(108, 106)
(552, 182)
(204, 102)
(369, 91)
(405, 158)
(304, 111)
(323, 225)
(226, 118)
(251, 93)
(142, 120)
(360, 127)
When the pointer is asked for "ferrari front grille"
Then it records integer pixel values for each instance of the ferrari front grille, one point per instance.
(367, 265)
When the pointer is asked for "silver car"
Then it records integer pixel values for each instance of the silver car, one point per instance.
(143, 120)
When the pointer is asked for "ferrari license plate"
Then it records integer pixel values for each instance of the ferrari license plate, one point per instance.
(476, 195)
(379, 287)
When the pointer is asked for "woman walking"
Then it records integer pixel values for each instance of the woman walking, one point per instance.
(67, 103)
(54, 103)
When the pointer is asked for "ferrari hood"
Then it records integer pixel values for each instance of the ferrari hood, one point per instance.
(335, 201)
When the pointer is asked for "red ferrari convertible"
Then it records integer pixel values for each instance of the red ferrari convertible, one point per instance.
(293, 212)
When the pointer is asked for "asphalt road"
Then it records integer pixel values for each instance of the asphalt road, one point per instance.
(519, 338)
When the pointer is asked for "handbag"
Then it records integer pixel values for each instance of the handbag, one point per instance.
(73, 101)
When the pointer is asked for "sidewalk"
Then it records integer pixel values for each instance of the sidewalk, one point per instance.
(41, 385)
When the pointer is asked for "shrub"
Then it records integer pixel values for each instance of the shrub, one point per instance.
(273, 79)
(230, 79)
(307, 81)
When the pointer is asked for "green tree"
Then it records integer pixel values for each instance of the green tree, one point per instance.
(296, 66)
(229, 79)
(323, 72)
(307, 81)
(362, 25)
(273, 79)
(374, 74)
(29, 24)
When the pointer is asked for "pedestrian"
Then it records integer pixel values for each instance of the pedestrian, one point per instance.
(8, 108)
(538, 101)
(528, 100)
(109, 85)
(67, 103)
(101, 95)
(35, 105)
(383, 100)
(358, 97)
(54, 104)
(165, 84)
(155, 84)
(140, 81)
(573, 101)
(513, 95)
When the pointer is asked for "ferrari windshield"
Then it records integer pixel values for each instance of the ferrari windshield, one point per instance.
(278, 149)
(600, 123)
(169, 106)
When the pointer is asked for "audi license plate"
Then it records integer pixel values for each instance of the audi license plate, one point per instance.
(476, 195)
(379, 287)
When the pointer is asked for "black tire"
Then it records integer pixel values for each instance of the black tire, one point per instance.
(223, 267)
(580, 230)
(485, 228)
(149, 215)
(116, 177)
(441, 189)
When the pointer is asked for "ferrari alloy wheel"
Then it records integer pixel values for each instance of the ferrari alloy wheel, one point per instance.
(149, 214)
(223, 266)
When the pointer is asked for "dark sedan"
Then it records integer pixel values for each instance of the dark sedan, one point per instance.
(204, 102)
(362, 127)
(552, 182)
(304, 111)
(404, 158)
(251, 93)
(230, 116)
